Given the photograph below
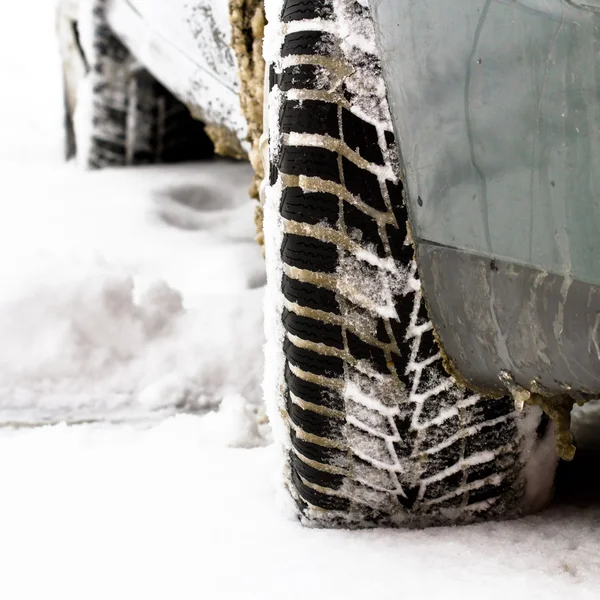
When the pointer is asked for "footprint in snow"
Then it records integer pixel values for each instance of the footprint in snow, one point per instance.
(206, 208)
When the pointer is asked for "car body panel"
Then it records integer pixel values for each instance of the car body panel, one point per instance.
(495, 104)
(508, 121)
(186, 47)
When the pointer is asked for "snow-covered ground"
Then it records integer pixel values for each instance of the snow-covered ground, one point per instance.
(135, 295)
(124, 293)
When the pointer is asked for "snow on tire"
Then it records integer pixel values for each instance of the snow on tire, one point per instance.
(117, 114)
(374, 431)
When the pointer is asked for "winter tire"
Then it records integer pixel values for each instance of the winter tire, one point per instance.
(374, 431)
(116, 113)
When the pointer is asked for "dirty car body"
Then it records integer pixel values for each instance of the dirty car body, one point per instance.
(503, 181)
(187, 47)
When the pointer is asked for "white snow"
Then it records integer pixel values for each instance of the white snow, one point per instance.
(117, 513)
(127, 294)
(120, 280)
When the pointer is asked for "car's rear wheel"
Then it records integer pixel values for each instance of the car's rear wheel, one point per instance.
(116, 113)
(374, 431)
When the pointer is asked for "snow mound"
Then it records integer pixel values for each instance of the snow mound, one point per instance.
(83, 339)
(235, 424)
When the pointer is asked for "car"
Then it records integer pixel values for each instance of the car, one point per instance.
(429, 215)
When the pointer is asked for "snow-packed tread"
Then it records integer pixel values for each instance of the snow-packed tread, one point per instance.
(412, 445)
(132, 119)
(296, 10)
(308, 43)
(323, 206)
(313, 393)
(309, 295)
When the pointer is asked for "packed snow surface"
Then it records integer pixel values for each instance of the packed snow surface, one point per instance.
(135, 296)
(127, 292)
